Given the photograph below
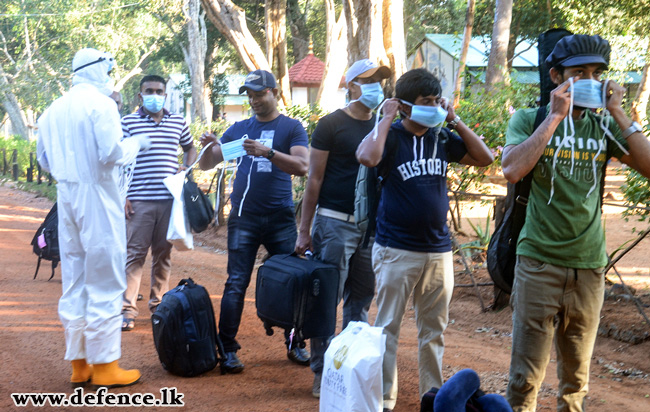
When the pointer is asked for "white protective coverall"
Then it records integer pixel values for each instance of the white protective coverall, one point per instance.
(79, 143)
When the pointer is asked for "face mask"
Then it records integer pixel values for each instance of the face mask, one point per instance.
(588, 93)
(427, 116)
(371, 95)
(153, 103)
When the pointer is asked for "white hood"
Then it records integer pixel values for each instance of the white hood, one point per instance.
(92, 66)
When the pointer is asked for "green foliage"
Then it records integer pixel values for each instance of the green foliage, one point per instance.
(41, 190)
(23, 147)
(636, 192)
(309, 115)
(488, 113)
(483, 233)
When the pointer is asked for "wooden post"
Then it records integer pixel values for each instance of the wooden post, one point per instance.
(14, 160)
(30, 171)
(40, 173)
(4, 162)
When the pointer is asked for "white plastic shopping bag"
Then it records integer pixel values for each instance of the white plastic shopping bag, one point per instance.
(178, 232)
(352, 377)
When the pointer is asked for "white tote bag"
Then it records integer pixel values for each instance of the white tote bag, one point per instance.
(352, 373)
(178, 232)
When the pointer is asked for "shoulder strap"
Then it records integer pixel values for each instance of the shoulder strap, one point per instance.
(382, 171)
(524, 185)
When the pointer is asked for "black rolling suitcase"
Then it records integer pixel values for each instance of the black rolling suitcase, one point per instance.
(185, 332)
(297, 294)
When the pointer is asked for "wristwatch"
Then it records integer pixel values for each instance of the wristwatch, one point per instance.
(454, 122)
(270, 154)
(635, 127)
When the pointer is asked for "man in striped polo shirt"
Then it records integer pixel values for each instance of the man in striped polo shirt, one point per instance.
(149, 203)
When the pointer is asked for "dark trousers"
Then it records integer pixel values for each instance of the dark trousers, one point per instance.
(277, 232)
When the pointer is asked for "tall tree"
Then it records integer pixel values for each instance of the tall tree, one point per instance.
(195, 53)
(335, 53)
(365, 34)
(393, 39)
(299, 30)
(230, 20)
(467, 36)
(276, 45)
(497, 69)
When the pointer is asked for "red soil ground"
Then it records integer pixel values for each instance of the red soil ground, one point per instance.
(32, 339)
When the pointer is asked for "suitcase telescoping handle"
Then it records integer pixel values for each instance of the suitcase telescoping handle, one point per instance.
(309, 255)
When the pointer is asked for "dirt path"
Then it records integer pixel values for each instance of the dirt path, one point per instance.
(32, 340)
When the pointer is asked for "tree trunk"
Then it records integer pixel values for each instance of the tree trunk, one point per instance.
(276, 45)
(365, 34)
(299, 30)
(467, 36)
(230, 20)
(335, 53)
(137, 69)
(195, 57)
(394, 41)
(640, 103)
(497, 62)
(11, 105)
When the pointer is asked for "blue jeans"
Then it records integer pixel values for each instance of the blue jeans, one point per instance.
(339, 243)
(277, 232)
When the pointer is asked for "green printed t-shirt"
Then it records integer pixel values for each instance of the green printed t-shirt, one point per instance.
(568, 231)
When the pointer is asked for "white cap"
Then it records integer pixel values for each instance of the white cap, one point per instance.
(366, 68)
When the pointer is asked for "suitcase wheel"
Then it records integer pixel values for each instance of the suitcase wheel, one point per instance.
(269, 329)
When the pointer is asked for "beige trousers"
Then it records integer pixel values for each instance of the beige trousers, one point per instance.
(553, 304)
(430, 277)
(147, 228)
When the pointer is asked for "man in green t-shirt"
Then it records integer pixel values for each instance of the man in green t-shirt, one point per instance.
(559, 283)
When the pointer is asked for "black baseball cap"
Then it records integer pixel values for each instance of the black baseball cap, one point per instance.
(579, 49)
(258, 80)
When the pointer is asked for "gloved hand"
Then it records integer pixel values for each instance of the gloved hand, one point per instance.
(145, 142)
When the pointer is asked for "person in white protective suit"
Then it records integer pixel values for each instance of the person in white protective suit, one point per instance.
(79, 144)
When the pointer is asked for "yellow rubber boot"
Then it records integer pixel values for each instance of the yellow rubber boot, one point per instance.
(81, 373)
(110, 375)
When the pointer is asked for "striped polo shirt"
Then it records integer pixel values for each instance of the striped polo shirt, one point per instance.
(161, 160)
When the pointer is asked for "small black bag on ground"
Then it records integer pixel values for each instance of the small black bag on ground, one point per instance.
(297, 293)
(198, 207)
(45, 242)
(185, 332)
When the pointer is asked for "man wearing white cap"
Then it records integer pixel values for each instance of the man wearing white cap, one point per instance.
(329, 195)
(79, 143)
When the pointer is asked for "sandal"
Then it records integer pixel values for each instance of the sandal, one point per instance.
(128, 324)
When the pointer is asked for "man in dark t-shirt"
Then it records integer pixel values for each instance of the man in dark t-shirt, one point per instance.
(412, 250)
(329, 195)
(271, 148)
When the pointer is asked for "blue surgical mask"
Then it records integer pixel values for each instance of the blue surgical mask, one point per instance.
(588, 93)
(371, 95)
(427, 116)
(153, 102)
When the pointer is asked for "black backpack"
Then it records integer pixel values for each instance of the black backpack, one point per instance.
(45, 243)
(185, 332)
